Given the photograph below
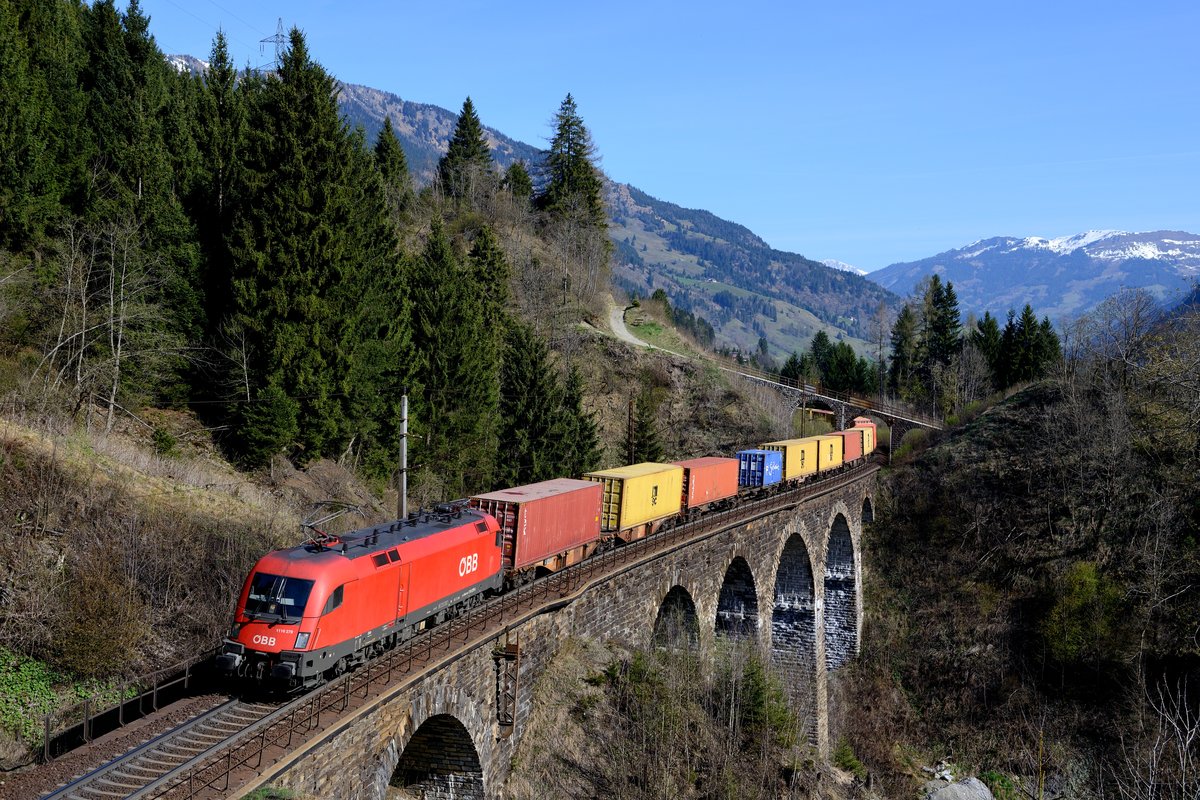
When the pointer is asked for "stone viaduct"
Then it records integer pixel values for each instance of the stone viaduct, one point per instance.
(791, 580)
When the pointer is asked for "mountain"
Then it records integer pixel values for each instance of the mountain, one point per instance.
(1061, 277)
(709, 266)
(833, 263)
(725, 273)
(424, 130)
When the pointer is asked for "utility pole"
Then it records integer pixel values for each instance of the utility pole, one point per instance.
(279, 40)
(402, 478)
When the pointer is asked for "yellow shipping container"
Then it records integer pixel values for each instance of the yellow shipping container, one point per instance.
(799, 456)
(829, 451)
(868, 440)
(638, 494)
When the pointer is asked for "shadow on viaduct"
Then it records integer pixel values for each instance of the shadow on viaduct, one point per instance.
(791, 580)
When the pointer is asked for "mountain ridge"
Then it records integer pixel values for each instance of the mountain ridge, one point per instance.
(1060, 277)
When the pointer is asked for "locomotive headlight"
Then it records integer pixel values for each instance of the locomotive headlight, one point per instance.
(301, 641)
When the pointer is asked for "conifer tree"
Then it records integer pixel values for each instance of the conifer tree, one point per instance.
(986, 338)
(222, 116)
(904, 352)
(457, 417)
(581, 441)
(573, 185)
(308, 242)
(642, 442)
(531, 441)
(821, 350)
(517, 181)
(393, 171)
(467, 165)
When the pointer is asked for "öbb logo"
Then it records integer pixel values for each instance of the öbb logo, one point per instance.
(468, 564)
(266, 641)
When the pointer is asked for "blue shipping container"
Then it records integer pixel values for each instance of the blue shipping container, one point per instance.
(759, 467)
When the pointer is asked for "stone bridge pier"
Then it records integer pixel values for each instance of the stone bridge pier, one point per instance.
(790, 582)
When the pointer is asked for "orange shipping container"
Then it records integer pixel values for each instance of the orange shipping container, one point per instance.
(852, 443)
(707, 480)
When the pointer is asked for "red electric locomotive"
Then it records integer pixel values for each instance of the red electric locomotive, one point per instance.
(315, 610)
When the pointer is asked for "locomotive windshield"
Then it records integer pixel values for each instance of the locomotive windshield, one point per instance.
(277, 596)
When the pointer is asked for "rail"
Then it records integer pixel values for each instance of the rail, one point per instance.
(435, 649)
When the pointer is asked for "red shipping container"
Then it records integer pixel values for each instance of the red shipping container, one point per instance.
(707, 480)
(853, 447)
(550, 524)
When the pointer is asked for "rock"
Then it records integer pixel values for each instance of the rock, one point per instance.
(967, 789)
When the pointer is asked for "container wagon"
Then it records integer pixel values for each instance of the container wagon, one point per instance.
(758, 468)
(545, 526)
(638, 498)
(870, 434)
(852, 444)
(799, 457)
(707, 481)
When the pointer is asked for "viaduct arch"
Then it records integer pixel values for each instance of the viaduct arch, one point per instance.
(789, 581)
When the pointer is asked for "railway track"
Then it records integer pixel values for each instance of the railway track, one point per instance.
(129, 775)
(220, 749)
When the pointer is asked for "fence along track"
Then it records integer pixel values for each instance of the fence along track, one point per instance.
(245, 753)
(127, 775)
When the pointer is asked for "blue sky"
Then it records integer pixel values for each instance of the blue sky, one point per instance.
(866, 132)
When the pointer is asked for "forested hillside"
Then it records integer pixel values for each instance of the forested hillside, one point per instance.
(721, 271)
(214, 289)
(1032, 606)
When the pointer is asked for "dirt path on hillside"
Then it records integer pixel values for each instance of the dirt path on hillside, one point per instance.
(616, 321)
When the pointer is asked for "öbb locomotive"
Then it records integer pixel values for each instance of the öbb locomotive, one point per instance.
(309, 613)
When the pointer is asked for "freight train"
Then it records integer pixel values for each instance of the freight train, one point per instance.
(309, 613)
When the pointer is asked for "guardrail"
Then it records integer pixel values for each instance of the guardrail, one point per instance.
(441, 646)
(68, 728)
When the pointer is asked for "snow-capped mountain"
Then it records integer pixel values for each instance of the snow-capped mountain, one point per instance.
(1061, 277)
(833, 263)
(185, 63)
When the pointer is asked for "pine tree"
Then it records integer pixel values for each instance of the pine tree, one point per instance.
(642, 442)
(573, 185)
(458, 411)
(904, 352)
(222, 116)
(581, 441)
(517, 181)
(308, 238)
(393, 171)
(986, 338)
(531, 441)
(467, 165)
(821, 350)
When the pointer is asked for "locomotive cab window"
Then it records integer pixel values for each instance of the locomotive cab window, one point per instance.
(335, 599)
(380, 560)
(275, 595)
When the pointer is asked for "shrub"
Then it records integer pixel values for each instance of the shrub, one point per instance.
(844, 759)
